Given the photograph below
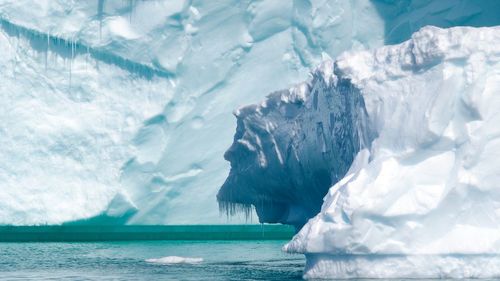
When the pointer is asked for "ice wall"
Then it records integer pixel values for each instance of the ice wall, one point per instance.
(423, 200)
(121, 110)
(69, 113)
(153, 84)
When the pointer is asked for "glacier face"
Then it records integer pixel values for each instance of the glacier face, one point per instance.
(423, 198)
(120, 110)
(67, 123)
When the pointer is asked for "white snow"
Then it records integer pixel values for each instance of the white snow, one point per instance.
(425, 202)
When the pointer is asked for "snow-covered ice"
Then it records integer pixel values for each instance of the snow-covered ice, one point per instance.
(121, 110)
(408, 134)
(422, 200)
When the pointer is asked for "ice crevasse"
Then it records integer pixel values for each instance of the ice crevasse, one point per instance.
(420, 197)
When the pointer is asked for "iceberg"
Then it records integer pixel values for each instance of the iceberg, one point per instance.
(118, 112)
(175, 260)
(408, 136)
(423, 200)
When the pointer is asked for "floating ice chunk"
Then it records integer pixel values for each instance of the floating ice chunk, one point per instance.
(175, 260)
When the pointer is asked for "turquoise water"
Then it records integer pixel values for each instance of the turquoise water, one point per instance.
(222, 260)
(88, 233)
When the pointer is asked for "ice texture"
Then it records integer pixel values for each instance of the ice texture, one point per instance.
(422, 200)
(281, 163)
(297, 140)
(119, 111)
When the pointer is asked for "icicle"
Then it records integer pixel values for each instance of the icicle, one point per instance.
(100, 12)
(47, 50)
(231, 209)
(71, 42)
(131, 8)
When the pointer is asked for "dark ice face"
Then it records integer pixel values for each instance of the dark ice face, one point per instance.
(289, 151)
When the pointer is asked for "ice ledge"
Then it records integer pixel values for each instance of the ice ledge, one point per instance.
(68, 48)
(427, 48)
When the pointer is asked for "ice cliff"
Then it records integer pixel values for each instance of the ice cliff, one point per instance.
(408, 134)
(120, 111)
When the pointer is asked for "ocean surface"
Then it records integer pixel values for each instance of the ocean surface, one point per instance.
(222, 260)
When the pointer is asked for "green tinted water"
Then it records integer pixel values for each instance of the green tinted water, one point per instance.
(222, 260)
(80, 233)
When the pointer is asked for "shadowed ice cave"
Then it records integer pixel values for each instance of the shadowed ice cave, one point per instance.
(289, 150)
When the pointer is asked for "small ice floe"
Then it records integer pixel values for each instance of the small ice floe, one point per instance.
(175, 260)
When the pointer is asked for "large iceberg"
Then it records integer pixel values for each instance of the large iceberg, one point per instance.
(409, 135)
(119, 111)
(290, 149)
(423, 200)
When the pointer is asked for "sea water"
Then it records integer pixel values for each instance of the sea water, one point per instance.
(204, 260)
